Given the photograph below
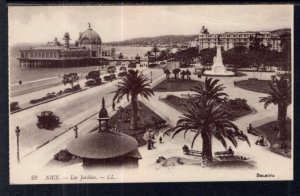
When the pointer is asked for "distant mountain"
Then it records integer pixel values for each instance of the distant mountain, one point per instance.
(160, 40)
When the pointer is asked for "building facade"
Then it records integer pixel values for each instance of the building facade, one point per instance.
(87, 51)
(229, 40)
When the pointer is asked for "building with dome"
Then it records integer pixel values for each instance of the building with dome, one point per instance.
(87, 51)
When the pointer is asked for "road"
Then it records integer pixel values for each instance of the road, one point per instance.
(72, 110)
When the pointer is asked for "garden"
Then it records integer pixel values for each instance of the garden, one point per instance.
(235, 108)
(277, 145)
(147, 119)
(171, 85)
(253, 84)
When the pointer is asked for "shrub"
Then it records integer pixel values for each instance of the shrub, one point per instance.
(107, 78)
(152, 65)
(122, 74)
(238, 104)
(14, 106)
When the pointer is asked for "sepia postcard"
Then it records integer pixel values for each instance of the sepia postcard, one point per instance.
(160, 93)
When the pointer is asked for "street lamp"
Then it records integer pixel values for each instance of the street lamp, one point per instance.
(76, 131)
(151, 75)
(18, 146)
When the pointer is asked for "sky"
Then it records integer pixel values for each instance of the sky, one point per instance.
(40, 24)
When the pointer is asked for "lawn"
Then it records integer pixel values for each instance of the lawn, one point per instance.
(230, 107)
(147, 120)
(259, 86)
(169, 85)
(267, 130)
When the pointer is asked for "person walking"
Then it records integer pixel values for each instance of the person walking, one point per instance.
(160, 139)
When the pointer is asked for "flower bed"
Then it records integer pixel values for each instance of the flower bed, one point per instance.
(147, 119)
(236, 108)
(268, 130)
(169, 85)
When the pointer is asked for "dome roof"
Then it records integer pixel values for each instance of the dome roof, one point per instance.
(103, 114)
(89, 37)
(102, 145)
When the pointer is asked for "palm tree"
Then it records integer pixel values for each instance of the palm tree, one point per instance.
(148, 54)
(207, 118)
(167, 72)
(209, 90)
(280, 95)
(183, 73)
(188, 73)
(132, 85)
(176, 72)
(155, 50)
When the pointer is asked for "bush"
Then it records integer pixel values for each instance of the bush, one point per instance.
(14, 106)
(122, 74)
(238, 104)
(63, 156)
(110, 77)
(152, 65)
(132, 65)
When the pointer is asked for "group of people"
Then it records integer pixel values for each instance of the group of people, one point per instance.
(151, 140)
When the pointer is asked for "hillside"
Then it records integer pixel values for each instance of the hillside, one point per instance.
(162, 40)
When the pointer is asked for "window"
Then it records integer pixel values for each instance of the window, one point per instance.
(43, 54)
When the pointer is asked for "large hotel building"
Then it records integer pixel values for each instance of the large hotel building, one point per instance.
(231, 39)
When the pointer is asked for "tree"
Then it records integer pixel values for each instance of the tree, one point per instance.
(207, 56)
(285, 43)
(167, 72)
(132, 85)
(188, 73)
(149, 54)
(280, 95)
(176, 72)
(207, 118)
(70, 78)
(121, 56)
(237, 57)
(163, 55)
(155, 50)
(182, 73)
(210, 90)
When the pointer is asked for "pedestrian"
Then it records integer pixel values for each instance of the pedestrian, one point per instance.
(76, 131)
(234, 83)
(160, 139)
(113, 106)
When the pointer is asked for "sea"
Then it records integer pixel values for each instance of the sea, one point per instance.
(42, 74)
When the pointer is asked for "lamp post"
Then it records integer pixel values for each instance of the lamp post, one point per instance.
(76, 131)
(151, 75)
(18, 146)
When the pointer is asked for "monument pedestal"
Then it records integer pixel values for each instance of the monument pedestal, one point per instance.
(218, 69)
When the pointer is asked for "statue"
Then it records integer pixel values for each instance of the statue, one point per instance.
(219, 39)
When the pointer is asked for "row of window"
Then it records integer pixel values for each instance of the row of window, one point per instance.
(233, 35)
(39, 54)
(228, 40)
(74, 54)
(105, 53)
(51, 54)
